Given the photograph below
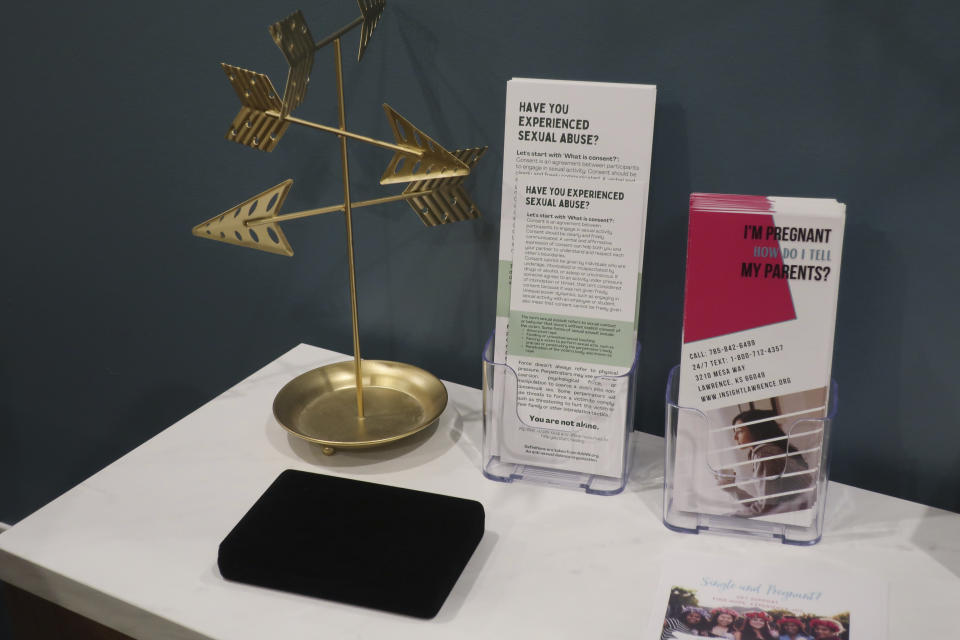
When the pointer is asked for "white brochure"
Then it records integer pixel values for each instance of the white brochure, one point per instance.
(575, 174)
(759, 314)
(765, 595)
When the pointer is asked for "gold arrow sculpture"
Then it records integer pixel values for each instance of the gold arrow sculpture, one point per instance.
(371, 402)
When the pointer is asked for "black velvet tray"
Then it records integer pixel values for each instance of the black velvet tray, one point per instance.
(356, 542)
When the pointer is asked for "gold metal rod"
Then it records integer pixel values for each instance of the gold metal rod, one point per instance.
(412, 150)
(338, 33)
(348, 217)
(386, 199)
(256, 222)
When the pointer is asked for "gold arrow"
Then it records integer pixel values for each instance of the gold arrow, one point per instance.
(437, 201)
(261, 123)
(230, 225)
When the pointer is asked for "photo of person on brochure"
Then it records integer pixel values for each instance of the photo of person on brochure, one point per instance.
(721, 624)
(764, 456)
(779, 475)
(686, 624)
(826, 629)
(758, 626)
(791, 628)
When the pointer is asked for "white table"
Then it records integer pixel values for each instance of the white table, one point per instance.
(134, 547)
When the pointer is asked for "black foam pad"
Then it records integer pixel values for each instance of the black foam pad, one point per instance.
(357, 542)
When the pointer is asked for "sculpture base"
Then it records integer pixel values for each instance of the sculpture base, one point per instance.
(321, 405)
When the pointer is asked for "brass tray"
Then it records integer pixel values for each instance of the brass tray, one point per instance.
(321, 405)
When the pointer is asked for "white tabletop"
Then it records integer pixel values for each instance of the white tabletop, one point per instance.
(135, 546)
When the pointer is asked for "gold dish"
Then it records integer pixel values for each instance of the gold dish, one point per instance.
(398, 400)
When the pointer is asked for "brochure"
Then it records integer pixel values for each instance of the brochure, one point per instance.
(576, 168)
(754, 599)
(759, 316)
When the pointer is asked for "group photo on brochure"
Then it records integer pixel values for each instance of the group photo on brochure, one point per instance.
(686, 619)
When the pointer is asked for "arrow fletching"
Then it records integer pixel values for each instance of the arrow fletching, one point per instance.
(444, 200)
(370, 10)
(253, 126)
(423, 158)
(293, 37)
(230, 226)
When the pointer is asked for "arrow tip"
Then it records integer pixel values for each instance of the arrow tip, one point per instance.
(422, 159)
(232, 226)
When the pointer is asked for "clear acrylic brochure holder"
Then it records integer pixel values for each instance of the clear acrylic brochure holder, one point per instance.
(500, 413)
(809, 528)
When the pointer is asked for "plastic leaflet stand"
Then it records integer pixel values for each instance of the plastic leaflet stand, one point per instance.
(500, 413)
(695, 522)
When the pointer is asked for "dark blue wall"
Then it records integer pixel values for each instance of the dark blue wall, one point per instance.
(116, 321)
